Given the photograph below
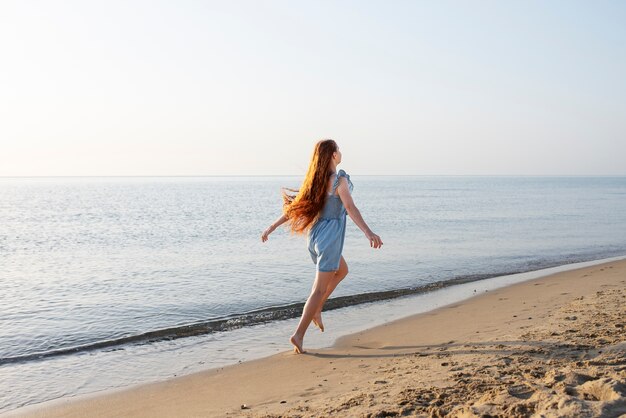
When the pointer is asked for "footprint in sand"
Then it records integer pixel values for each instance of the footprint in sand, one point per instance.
(521, 391)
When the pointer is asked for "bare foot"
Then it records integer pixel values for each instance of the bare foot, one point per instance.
(297, 344)
(317, 320)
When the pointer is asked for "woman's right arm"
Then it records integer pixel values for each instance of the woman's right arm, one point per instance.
(346, 198)
(278, 222)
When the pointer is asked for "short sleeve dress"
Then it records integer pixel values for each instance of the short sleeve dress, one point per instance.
(325, 238)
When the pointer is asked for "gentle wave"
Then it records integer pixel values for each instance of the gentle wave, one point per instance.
(269, 314)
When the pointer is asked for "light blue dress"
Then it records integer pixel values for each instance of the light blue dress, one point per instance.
(326, 236)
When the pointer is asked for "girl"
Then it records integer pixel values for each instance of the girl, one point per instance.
(319, 210)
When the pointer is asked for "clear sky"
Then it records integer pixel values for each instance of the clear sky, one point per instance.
(247, 87)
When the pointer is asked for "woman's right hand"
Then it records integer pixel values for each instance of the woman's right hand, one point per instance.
(374, 240)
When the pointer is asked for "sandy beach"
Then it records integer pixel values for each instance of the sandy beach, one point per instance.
(553, 346)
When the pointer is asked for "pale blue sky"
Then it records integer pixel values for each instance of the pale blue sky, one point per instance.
(247, 87)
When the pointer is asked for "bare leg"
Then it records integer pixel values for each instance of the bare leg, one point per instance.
(317, 293)
(332, 284)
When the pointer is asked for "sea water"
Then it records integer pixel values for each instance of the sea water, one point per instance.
(112, 281)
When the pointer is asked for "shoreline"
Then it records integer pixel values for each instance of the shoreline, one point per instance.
(269, 315)
(196, 393)
(71, 377)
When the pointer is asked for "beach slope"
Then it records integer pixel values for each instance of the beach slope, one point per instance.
(553, 346)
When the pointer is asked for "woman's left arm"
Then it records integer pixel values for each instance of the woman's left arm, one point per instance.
(278, 222)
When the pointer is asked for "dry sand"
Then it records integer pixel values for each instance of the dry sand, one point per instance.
(549, 347)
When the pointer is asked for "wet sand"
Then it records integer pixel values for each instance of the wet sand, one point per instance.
(553, 346)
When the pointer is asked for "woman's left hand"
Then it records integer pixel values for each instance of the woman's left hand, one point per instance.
(266, 234)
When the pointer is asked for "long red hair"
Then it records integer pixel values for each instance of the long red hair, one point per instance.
(304, 208)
